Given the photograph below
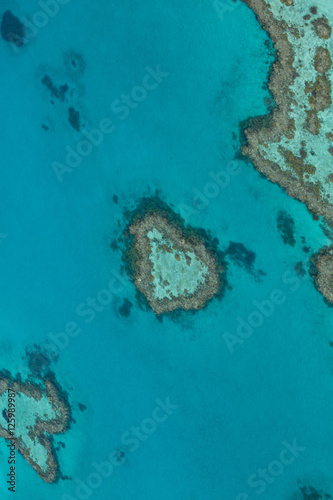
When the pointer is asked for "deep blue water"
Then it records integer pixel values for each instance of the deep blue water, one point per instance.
(235, 410)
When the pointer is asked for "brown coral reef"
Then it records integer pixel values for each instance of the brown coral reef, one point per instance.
(292, 170)
(323, 274)
(172, 266)
(43, 428)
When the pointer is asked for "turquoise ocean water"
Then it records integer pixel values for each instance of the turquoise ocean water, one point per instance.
(233, 409)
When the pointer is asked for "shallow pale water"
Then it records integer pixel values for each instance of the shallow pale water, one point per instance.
(232, 411)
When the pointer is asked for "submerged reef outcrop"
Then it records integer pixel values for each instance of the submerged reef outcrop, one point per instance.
(311, 493)
(12, 30)
(322, 272)
(173, 266)
(286, 226)
(292, 145)
(30, 414)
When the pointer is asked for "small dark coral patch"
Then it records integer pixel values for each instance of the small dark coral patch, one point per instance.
(82, 407)
(74, 118)
(299, 269)
(114, 244)
(75, 63)
(38, 360)
(57, 92)
(286, 226)
(241, 256)
(125, 309)
(310, 493)
(245, 258)
(120, 456)
(322, 28)
(12, 30)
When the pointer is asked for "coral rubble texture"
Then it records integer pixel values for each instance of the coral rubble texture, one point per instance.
(293, 145)
(323, 276)
(172, 269)
(39, 413)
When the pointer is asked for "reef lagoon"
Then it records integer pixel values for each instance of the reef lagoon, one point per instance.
(107, 104)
